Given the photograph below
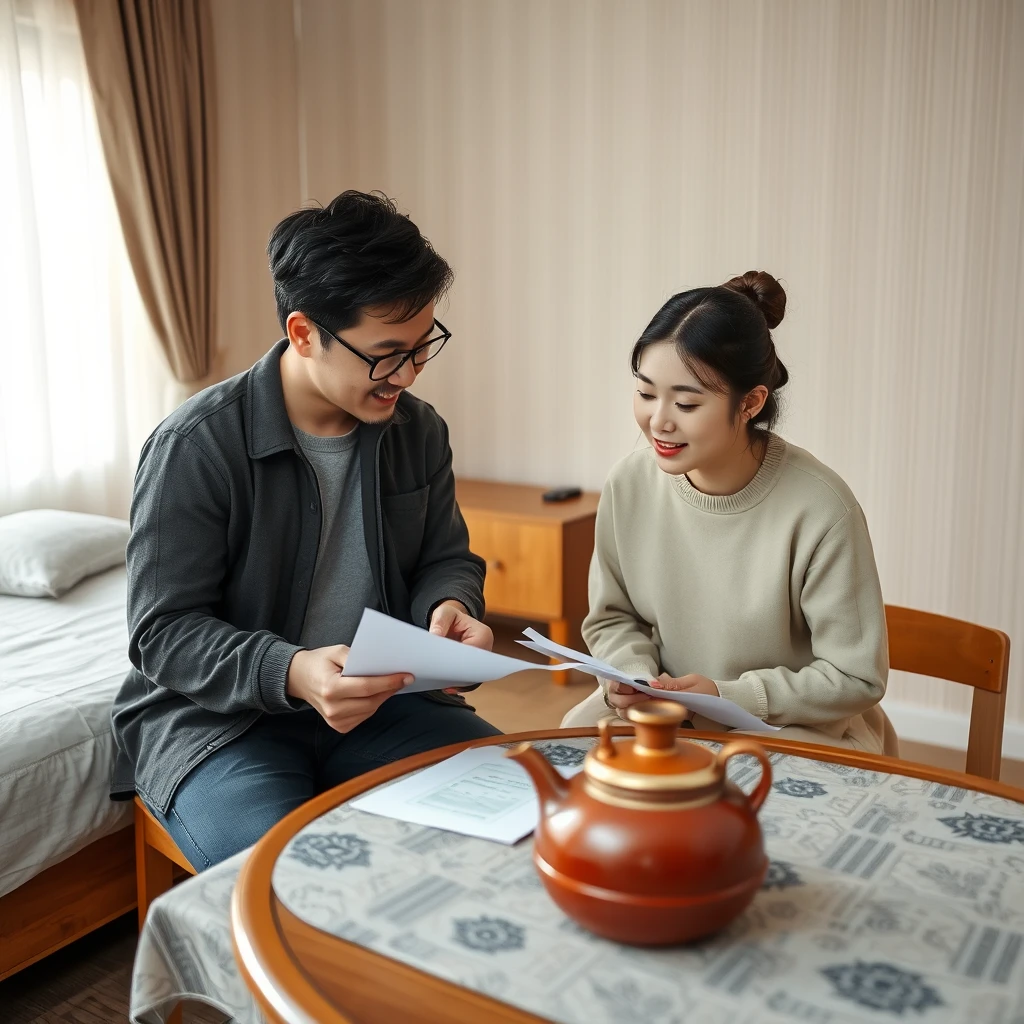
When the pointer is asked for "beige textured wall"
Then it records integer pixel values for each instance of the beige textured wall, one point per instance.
(580, 161)
(258, 154)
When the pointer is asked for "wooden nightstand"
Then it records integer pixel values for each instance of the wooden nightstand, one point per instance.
(537, 554)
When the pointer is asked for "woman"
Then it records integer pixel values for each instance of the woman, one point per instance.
(727, 561)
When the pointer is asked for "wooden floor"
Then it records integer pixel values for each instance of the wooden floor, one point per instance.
(89, 981)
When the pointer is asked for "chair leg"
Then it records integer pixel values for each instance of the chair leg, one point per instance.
(154, 875)
(174, 1017)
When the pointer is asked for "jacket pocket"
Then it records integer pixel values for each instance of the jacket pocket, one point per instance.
(405, 516)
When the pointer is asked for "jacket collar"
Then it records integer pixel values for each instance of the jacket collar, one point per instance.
(269, 429)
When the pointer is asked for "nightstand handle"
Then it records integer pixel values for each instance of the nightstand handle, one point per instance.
(493, 563)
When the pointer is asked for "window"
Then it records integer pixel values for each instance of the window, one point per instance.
(81, 379)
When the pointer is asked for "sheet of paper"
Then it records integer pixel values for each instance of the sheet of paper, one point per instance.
(538, 642)
(553, 650)
(478, 792)
(718, 709)
(384, 646)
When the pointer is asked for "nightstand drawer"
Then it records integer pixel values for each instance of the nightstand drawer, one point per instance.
(524, 565)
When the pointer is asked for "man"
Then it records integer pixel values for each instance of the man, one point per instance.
(269, 511)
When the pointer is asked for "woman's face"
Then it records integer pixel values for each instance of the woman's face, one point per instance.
(689, 427)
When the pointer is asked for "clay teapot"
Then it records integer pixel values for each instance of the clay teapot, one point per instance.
(650, 844)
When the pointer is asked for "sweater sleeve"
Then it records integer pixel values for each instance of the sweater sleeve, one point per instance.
(613, 630)
(841, 602)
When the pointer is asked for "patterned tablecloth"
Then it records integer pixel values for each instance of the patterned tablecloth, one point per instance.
(887, 899)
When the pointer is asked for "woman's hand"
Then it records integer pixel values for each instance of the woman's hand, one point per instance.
(619, 696)
(691, 683)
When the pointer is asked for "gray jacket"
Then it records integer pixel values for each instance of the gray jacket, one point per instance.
(225, 530)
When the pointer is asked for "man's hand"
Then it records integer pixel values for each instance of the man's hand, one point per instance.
(342, 701)
(451, 619)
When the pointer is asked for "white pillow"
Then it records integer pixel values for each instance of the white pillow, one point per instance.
(45, 552)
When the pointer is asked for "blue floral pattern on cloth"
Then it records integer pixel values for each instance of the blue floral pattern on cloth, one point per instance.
(624, 1000)
(489, 934)
(883, 987)
(986, 828)
(799, 787)
(780, 875)
(331, 850)
(561, 755)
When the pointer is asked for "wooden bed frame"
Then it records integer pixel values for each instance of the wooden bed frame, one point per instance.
(67, 901)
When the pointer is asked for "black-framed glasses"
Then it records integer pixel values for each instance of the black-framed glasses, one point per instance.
(382, 367)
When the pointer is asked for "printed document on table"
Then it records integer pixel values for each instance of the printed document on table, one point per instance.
(718, 709)
(478, 792)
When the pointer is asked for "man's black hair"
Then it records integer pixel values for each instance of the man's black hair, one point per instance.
(356, 253)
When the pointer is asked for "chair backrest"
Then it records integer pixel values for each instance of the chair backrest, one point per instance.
(962, 652)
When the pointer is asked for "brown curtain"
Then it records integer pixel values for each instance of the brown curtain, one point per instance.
(151, 67)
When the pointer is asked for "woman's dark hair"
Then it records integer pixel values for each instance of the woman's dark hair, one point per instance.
(357, 252)
(723, 335)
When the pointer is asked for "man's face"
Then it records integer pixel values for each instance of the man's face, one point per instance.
(343, 379)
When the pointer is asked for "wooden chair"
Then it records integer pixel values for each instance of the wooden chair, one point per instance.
(156, 858)
(961, 652)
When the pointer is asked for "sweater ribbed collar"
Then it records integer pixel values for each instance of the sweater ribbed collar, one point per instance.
(758, 488)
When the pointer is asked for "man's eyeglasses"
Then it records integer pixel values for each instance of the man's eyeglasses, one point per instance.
(382, 367)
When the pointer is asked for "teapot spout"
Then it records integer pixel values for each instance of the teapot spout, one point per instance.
(551, 788)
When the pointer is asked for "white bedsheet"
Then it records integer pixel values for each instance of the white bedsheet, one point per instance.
(62, 661)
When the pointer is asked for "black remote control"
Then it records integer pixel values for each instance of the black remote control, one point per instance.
(561, 494)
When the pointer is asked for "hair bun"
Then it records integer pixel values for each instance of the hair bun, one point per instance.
(764, 291)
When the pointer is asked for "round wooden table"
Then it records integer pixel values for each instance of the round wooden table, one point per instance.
(301, 975)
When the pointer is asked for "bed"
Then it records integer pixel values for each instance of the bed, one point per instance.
(66, 850)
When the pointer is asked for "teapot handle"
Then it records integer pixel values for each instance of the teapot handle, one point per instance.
(755, 750)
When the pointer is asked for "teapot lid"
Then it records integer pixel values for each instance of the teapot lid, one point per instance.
(655, 760)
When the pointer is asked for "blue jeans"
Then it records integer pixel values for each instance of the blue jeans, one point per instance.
(235, 795)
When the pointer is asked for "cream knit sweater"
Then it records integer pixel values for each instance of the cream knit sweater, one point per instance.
(771, 592)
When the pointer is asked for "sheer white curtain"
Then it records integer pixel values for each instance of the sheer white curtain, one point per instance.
(82, 381)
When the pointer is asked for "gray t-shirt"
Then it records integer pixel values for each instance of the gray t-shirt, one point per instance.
(342, 581)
